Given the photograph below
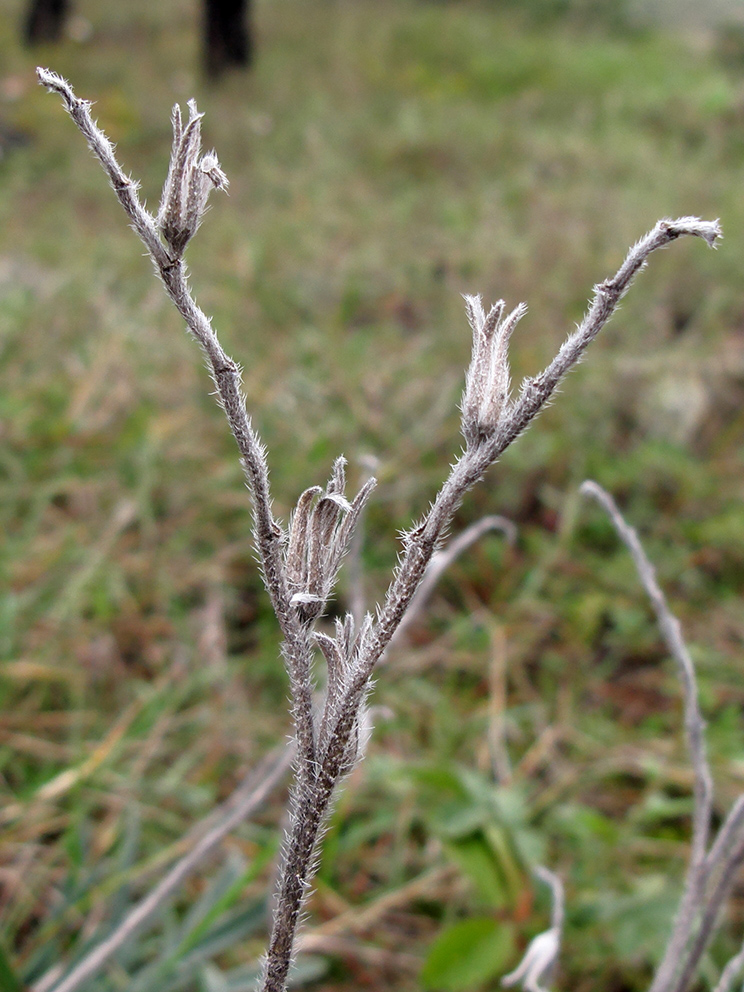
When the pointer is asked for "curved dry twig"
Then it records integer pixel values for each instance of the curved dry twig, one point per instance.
(702, 898)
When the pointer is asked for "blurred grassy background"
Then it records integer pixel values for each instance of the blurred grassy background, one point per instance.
(384, 158)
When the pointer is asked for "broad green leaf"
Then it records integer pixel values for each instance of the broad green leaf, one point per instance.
(475, 859)
(658, 808)
(458, 819)
(639, 923)
(529, 846)
(468, 954)
(512, 805)
(441, 779)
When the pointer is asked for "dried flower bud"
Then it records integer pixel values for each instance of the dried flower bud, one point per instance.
(319, 535)
(189, 182)
(487, 383)
(296, 554)
(343, 719)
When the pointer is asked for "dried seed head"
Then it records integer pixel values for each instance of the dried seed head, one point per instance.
(296, 554)
(319, 535)
(487, 382)
(189, 182)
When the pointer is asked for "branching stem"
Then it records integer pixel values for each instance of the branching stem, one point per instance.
(300, 568)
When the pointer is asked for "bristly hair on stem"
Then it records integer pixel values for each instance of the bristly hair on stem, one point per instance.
(300, 566)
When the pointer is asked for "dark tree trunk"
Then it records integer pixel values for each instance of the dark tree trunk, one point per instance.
(45, 20)
(228, 39)
(227, 35)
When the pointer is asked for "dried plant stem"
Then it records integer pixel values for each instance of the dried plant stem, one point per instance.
(701, 899)
(728, 832)
(309, 813)
(300, 565)
(268, 534)
(714, 901)
(226, 374)
(515, 417)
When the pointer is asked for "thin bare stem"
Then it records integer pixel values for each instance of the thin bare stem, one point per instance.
(534, 392)
(722, 863)
(557, 893)
(695, 731)
(123, 185)
(728, 834)
(249, 797)
(709, 921)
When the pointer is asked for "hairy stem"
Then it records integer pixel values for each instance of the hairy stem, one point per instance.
(296, 875)
(491, 422)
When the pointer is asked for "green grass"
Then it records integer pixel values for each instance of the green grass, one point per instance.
(383, 159)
